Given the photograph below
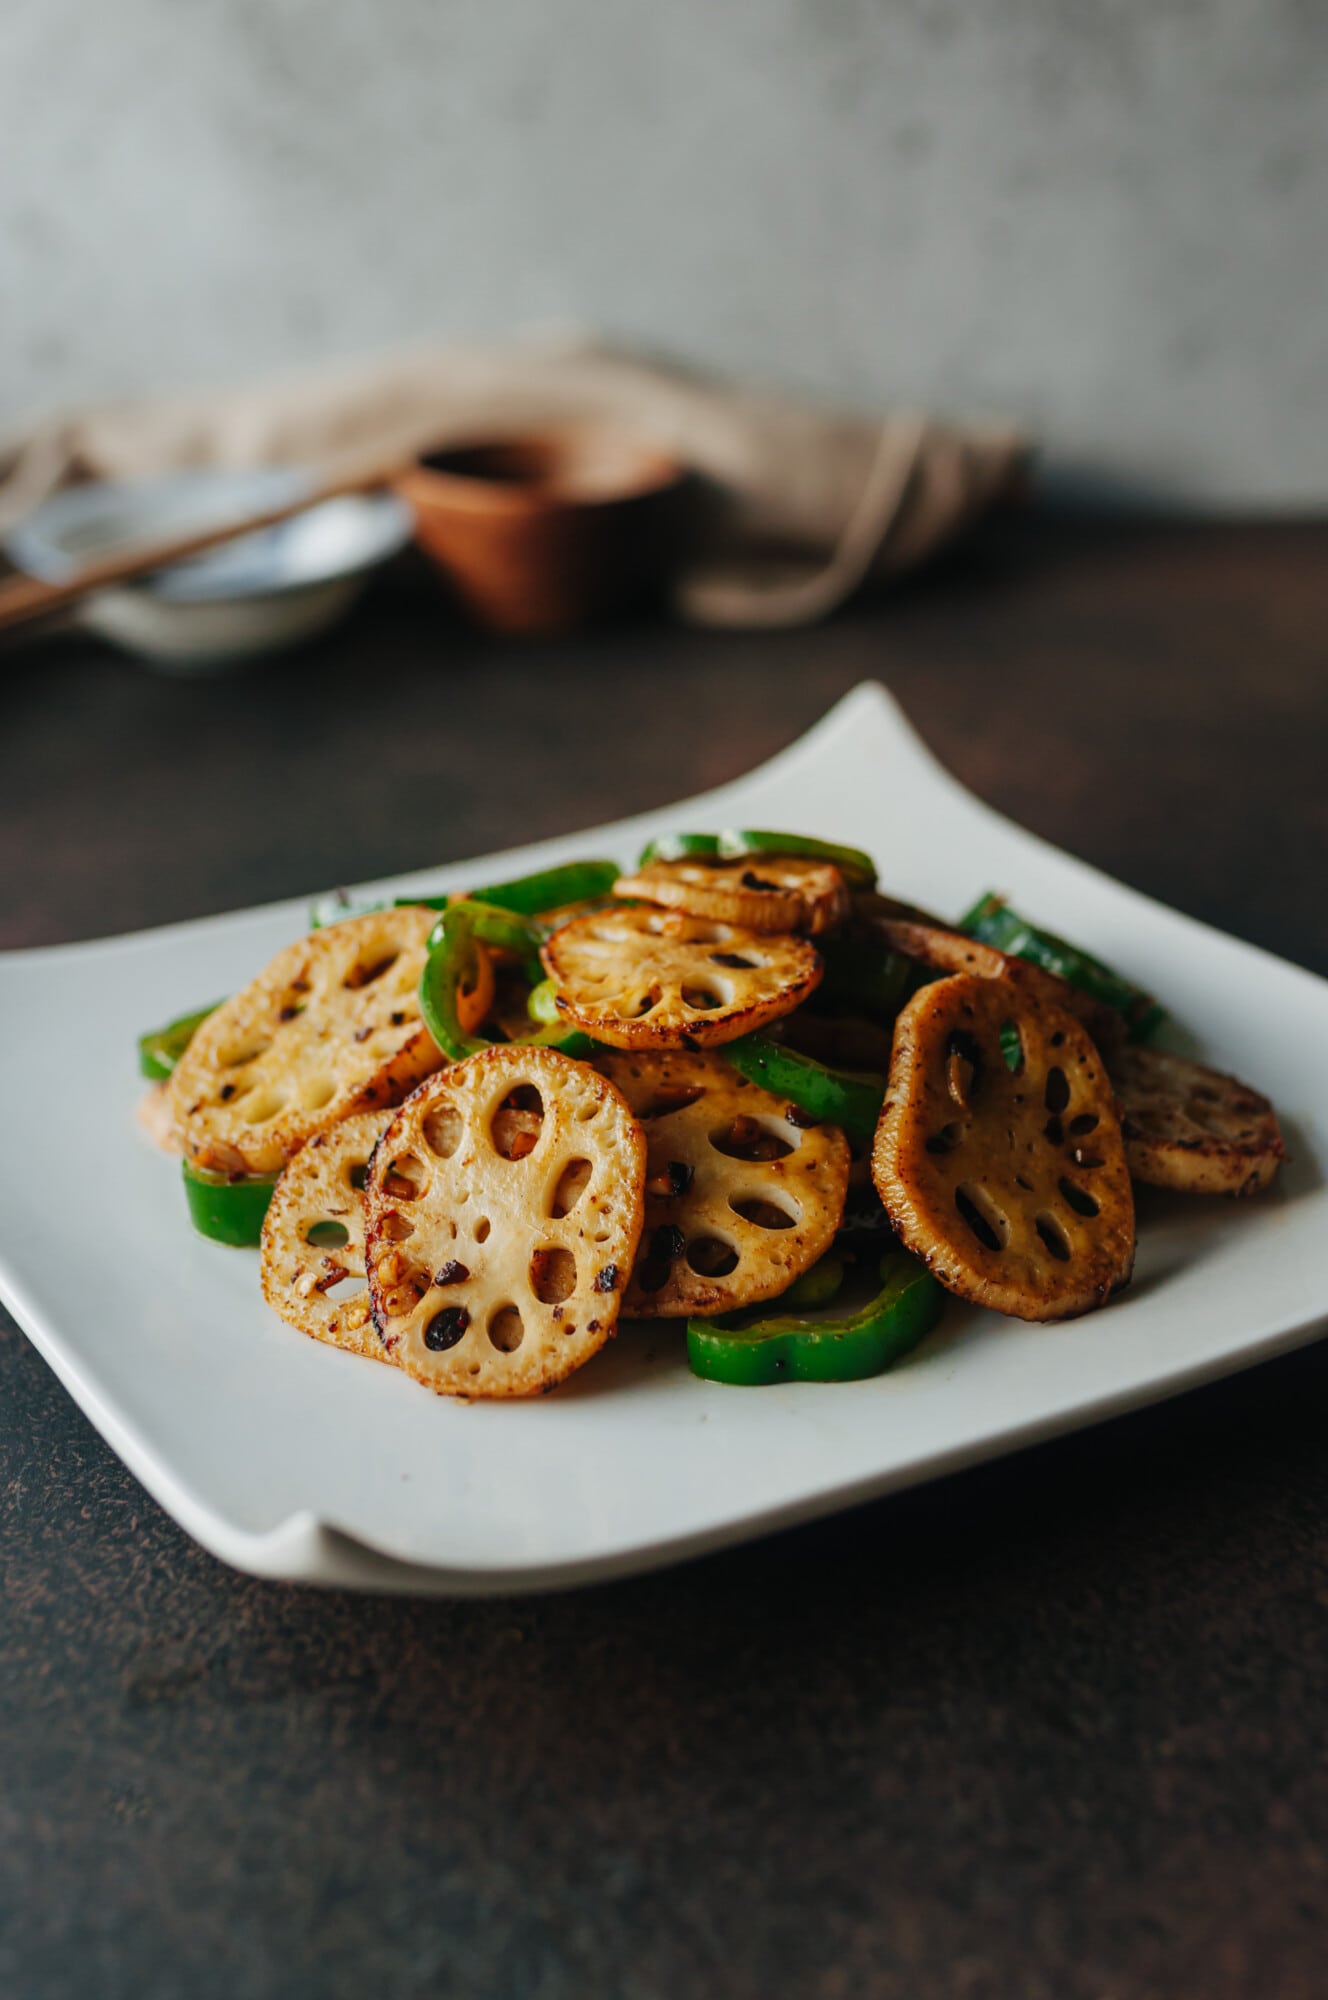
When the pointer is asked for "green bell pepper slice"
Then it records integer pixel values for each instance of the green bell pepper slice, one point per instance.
(737, 844)
(452, 944)
(160, 1050)
(817, 1286)
(846, 1098)
(992, 921)
(529, 895)
(788, 1348)
(552, 888)
(680, 847)
(226, 1209)
(863, 972)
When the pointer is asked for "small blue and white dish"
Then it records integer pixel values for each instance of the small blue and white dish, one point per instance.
(257, 594)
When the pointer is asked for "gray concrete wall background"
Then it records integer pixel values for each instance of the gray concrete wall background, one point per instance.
(1109, 220)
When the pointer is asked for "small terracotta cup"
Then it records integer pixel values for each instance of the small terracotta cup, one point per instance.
(544, 531)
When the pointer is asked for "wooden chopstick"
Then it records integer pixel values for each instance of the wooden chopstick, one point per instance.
(27, 597)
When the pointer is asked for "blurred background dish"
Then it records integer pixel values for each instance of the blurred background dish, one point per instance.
(251, 596)
(544, 531)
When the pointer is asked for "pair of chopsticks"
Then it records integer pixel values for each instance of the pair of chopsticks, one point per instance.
(25, 598)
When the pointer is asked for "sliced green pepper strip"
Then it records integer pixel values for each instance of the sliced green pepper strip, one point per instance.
(552, 888)
(858, 869)
(817, 1286)
(452, 944)
(229, 1211)
(160, 1051)
(992, 921)
(864, 972)
(541, 1003)
(831, 1096)
(680, 847)
(790, 1349)
(529, 895)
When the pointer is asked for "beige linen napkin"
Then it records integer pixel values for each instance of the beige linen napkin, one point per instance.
(811, 502)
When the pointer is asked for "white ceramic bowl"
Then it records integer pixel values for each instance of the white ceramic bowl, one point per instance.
(251, 596)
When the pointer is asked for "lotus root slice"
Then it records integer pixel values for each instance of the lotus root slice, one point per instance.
(504, 1205)
(998, 1155)
(1194, 1129)
(741, 1195)
(766, 892)
(649, 978)
(331, 1027)
(951, 951)
(312, 1257)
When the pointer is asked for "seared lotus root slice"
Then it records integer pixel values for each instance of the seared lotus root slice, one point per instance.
(1192, 1128)
(951, 951)
(504, 1206)
(768, 893)
(331, 1027)
(741, 1197)
(641, 978)
(312, 1257)
(998, 1156)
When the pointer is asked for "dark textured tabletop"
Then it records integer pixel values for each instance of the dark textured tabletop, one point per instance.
(1052, 1728)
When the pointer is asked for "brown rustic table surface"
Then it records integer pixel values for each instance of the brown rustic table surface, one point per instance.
(1052, 1728)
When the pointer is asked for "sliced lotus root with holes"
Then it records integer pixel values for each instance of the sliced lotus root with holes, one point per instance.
(740, 1198)
(768, 893)
(951, 951)
(999, 1157)
(643, 978)
(1194, 1129)
(504, 1205)
(331, 1027)
(312, 1259)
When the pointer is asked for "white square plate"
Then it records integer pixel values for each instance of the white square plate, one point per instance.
(293, 1460)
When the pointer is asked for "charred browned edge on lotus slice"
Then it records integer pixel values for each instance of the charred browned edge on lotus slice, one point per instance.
(741, 1197)
(504, 1210)
(769, 893)
(311, 1261)
(951, 951)
(650, 978)
(1194, 1129)
(999, 1157)
(331, 1027)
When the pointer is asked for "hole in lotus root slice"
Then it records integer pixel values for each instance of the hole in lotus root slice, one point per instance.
(307, 1044)
(572, 1182)
(517, 1123)
(395, 1227)
(654, 960)
(778, 893)
(988, 1223)
(748, 1138)
(765, 1214)
(711, 1257)
(506, 1236)
(442, 1129)
(311, 1261)
(1053, 1236)
(739, 1201)
(1191, 1128)
(552, 1275)
(405, 1177)
(974, 1178)
(507, 1330)
(326, 1235)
